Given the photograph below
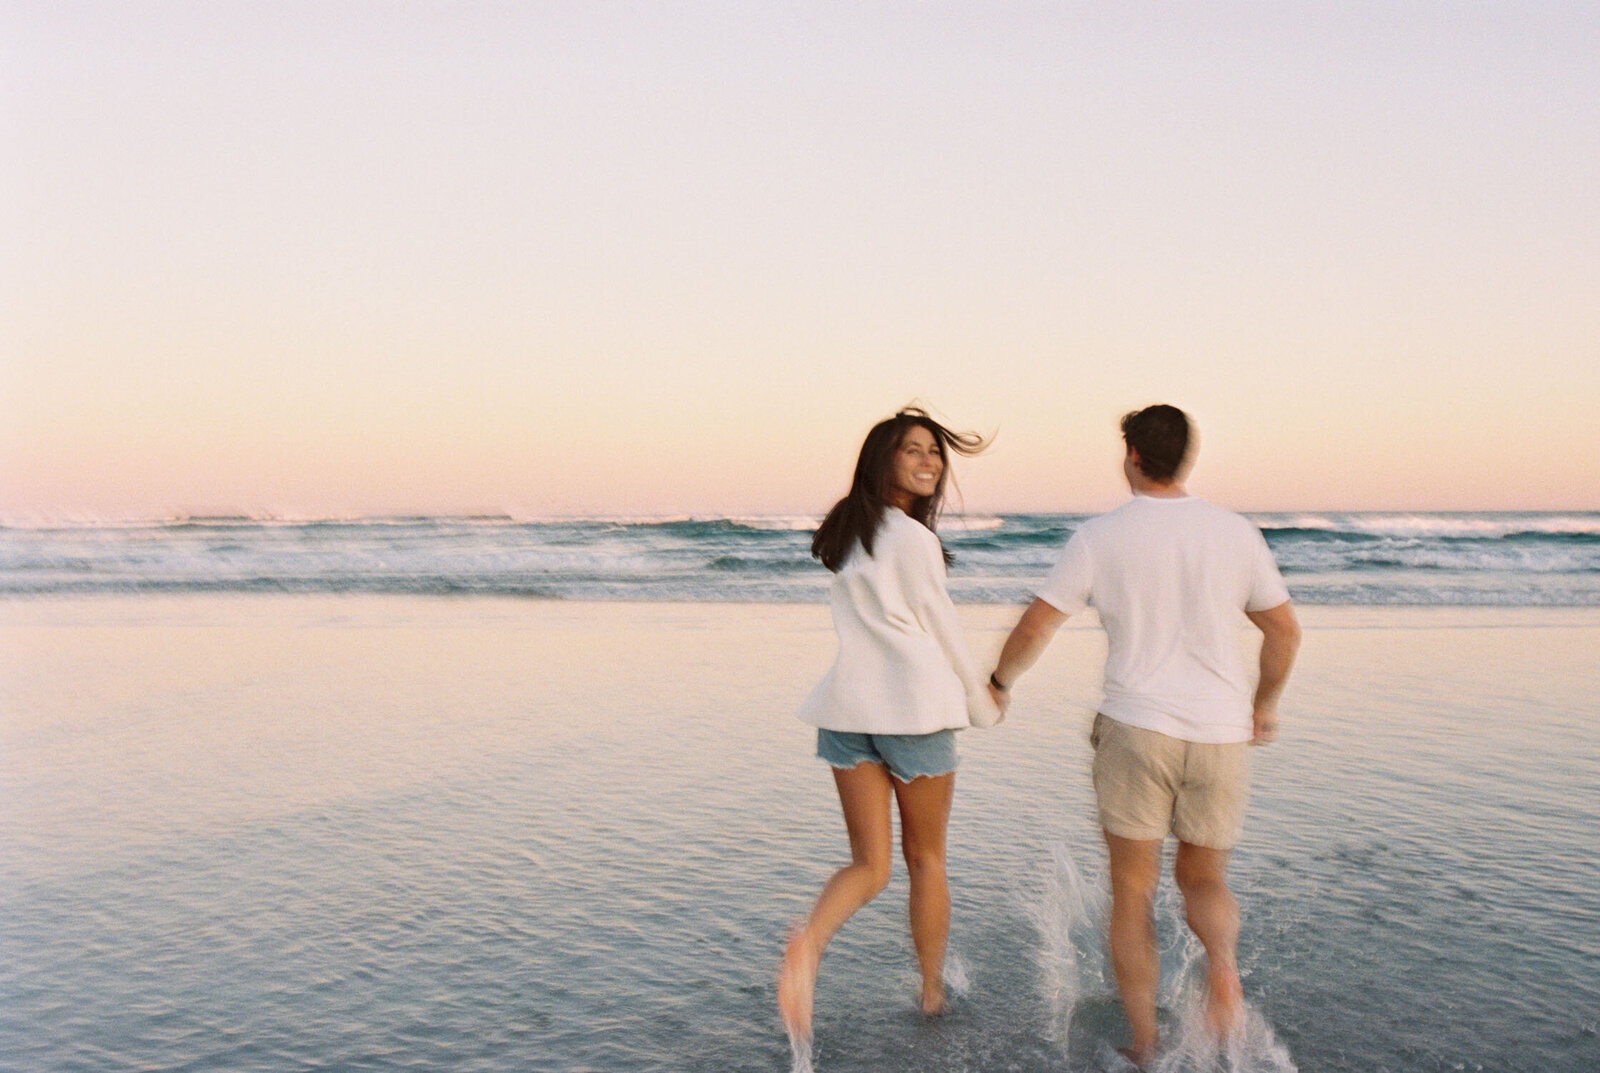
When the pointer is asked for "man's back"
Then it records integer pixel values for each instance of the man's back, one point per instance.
(1170, 578)
(1173, 578)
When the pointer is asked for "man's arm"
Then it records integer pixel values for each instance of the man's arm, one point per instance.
(1280, 639)
(1029, 638)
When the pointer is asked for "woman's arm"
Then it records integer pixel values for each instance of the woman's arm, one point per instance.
(927, 591)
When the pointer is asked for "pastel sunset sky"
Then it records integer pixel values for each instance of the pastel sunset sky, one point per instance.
(631, 258)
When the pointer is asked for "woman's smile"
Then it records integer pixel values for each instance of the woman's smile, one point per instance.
(918, 465)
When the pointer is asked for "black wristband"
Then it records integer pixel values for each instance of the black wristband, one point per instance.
(996, 683)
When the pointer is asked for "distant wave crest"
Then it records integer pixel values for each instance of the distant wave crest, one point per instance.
(1510, 558)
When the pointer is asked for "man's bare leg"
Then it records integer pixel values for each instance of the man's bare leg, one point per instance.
(924, 817)
(864, 792)
(1213, 916)
(1135, 872)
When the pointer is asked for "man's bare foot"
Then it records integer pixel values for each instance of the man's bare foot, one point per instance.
(1224, 1001)
(933, 1004)
(797, 980)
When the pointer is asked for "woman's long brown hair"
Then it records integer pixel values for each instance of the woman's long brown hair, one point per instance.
(858, 515)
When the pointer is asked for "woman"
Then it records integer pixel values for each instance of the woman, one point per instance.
(886, 712)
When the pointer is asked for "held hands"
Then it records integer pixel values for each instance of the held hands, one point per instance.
(1001, 699)
(983, 710)
(1265, 721)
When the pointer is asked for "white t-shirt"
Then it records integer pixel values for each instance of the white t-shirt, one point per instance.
(903, 665)
(1171, 579)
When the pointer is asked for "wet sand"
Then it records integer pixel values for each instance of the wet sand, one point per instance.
(500, 831)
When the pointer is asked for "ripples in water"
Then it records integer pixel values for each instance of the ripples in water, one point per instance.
(265, 835)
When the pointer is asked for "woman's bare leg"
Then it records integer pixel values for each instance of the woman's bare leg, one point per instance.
(864, 795)
(924, 818)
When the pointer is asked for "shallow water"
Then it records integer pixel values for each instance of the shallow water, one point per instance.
(271, 833)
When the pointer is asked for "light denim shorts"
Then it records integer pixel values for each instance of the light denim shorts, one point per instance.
(907, 756)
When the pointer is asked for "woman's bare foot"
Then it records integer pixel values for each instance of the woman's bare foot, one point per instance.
(1224, 1001)
(933, 1004)
(797, 981)
(1135, 1058)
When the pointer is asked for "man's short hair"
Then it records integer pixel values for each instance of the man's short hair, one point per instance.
(1160, 434)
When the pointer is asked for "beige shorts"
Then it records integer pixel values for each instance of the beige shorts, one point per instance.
(1148, 784)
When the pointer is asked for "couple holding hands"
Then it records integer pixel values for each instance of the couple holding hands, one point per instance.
(1171, 577)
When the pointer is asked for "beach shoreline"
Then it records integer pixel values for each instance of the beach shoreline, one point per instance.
(268, 830)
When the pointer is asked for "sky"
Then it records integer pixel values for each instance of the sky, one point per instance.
(332, 258)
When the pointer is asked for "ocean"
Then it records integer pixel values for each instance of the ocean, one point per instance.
(1404, 559)
(463, 795)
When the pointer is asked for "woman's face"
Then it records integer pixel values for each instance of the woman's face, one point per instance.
(918, 464)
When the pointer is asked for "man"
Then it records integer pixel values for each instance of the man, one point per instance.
(1172, 577)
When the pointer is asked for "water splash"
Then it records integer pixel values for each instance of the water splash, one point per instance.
(1067, 915)
(1251, 1048)
(957, 980)
(800, 1054)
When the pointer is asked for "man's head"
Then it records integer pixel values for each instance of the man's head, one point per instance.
(1160, 442)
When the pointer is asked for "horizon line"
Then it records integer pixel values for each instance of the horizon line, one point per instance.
(75, 520)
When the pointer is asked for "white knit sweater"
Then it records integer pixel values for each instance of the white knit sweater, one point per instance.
(903, 665)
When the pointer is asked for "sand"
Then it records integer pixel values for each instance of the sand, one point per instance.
(538, 828)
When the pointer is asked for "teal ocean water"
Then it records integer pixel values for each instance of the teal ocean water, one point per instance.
(269, 833)
(1489, 558)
